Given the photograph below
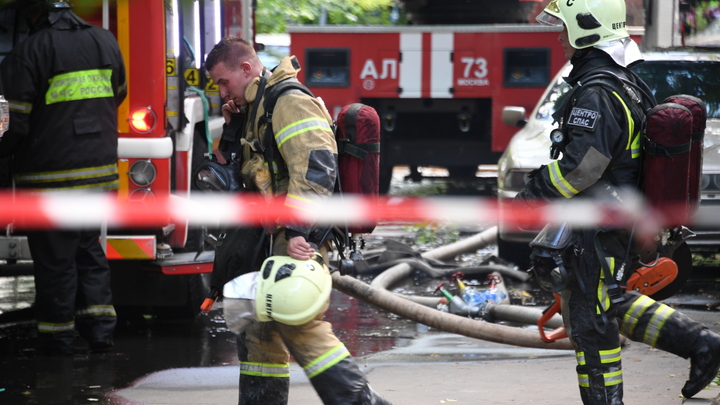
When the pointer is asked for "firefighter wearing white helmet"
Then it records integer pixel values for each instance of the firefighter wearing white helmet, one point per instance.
(598, 152)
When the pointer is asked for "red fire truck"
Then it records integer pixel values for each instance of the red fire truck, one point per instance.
(440, 83)
(170, 116)
(439, 89)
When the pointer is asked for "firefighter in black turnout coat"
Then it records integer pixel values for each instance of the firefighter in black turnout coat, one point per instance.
(599, 137)
(64, 83)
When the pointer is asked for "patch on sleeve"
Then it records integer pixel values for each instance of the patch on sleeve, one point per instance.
(583, 118)
(322, 168)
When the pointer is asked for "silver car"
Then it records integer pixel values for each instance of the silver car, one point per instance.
(666, 73)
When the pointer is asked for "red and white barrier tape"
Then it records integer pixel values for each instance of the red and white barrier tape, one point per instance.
(53, 210)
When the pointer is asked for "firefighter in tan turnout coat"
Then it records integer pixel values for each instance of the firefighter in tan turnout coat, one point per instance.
(303, 161)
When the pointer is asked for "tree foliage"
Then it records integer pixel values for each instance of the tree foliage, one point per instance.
(273, 16)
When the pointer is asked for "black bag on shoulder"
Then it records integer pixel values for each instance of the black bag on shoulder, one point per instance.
(238, 248)
(237, 252)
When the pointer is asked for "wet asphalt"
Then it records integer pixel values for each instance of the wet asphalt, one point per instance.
(200, 352)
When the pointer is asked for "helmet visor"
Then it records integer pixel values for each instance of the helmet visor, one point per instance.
(546, 18)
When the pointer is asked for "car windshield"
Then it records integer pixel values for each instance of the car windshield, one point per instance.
(554, 98)
(696, 78)
(665, 78)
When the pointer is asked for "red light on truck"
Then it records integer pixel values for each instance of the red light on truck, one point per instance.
(143, 119)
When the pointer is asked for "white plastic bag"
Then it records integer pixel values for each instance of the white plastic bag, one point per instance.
(239, 302)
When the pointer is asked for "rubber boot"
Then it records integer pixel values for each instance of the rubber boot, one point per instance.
(678, 335)
(256, 390)
(614, 394)
(345, 384)
(690, 339)
(596, 391)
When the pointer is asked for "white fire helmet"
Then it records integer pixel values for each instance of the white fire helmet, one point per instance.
(285, 290)
(292, 291)
(589, 22)
(593, 23)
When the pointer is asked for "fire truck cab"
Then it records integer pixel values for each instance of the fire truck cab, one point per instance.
(167, 124)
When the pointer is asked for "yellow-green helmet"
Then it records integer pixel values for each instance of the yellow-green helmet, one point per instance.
(292, 291)
(589, 22)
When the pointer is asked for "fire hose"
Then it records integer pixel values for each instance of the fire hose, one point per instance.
(418, 308)
(402, 270)
(377, 295)
(442, 320)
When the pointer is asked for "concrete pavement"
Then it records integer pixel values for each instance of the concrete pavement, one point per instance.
(442, 368)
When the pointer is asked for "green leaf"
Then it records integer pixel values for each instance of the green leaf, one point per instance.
(273, 16)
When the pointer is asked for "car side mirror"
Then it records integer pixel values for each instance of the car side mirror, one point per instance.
(514, 116)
